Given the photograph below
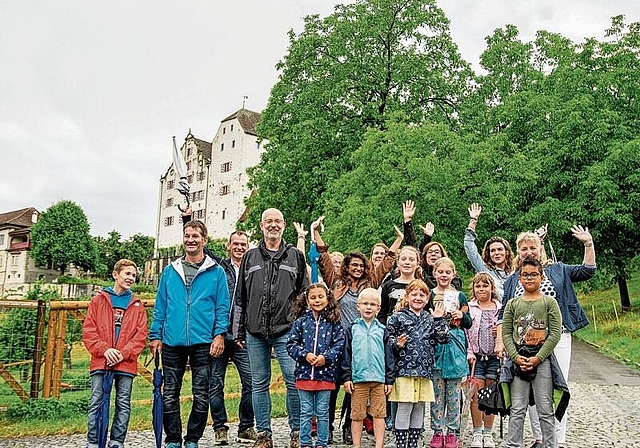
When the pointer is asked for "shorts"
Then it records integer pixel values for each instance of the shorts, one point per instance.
(369, 392)
(487, 367)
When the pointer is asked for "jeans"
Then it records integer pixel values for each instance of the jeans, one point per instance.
(240, 358)
(122, 385)
(259, 350)
(174, 364)
(314, 403)
(563, 355)
(542, 387)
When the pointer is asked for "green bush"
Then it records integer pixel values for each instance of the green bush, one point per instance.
(43, 409)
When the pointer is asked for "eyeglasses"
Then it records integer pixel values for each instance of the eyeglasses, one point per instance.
(273, 221)
(357, 265)
(371, 304)
(530, 275)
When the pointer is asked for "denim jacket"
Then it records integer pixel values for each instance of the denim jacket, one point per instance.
(498, 275)
(561, 276)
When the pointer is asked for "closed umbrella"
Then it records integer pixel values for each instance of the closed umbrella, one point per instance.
(102, 416)
(158, 406)
(179, 164)
(314, 255)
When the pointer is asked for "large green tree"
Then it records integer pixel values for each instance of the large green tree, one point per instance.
(343, 74)
(61, 237)
(138, 248)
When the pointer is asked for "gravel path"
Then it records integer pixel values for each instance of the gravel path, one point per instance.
(604, 412)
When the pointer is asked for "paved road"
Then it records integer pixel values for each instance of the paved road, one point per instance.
(604, 411)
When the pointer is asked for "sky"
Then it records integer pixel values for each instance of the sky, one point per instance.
(92, 92)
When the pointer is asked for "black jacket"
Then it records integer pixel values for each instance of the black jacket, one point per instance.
(268, 284)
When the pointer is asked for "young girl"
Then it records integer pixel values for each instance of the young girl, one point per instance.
(451, 358)
(413, 334)
(315, 342)
(483, 308)
(408, 269)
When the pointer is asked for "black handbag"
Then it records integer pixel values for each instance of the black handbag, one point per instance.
(491, 400)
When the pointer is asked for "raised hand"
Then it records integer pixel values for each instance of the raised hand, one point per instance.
(474, 210)
(582, 234)
(438, 310)
(408, 210)
(428, 229)
(300, 230)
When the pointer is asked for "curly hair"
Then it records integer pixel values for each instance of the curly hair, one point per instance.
(413, 285)
(301, 304)
(483, 277)
(509, 257)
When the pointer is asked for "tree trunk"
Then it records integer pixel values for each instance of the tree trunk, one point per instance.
(624, 293)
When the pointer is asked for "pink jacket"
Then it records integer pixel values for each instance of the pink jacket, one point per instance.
(473, 333)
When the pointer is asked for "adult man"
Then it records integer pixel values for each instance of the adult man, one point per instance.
(271, 276)
(190, 320)
(236, 247)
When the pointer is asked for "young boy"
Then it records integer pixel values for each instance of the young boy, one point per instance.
(114, 332)
(531, 328)
(367, 367)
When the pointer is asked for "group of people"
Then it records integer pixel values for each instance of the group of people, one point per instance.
(395, 330)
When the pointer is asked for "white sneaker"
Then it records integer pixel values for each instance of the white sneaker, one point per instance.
(487, 439)
(477, 441)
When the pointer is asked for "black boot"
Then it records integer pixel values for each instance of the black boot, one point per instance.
(414, 437)
(402, 436)
(346, 436)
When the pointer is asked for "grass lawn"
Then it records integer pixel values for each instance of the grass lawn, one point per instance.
(614, 333)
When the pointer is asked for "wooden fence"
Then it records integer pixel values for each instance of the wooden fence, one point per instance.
(51, 318)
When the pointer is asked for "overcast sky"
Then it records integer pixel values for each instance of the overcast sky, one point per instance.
(91, 92)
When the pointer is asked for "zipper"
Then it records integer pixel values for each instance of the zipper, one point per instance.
(315, 343)
(189, 309)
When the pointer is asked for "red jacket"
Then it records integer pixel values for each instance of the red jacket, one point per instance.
(98, 333)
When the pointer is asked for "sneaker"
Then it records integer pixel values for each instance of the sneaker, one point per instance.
(436, 441)
(190, 444)
(173, 445)
(221, 436)
(487, 439)
(451, 441)
(294, 440)
(477, 441)
(263, 440)
(247, 435)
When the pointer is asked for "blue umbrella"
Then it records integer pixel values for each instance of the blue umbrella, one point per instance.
(314, 255)
(102, 416)
(158, 406)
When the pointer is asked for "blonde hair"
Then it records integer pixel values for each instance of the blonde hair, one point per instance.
(369, 293)
(418, 272)
(444, 260)
(531, 237)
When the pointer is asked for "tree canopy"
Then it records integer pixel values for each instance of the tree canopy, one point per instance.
(61, 237)
(375, 106)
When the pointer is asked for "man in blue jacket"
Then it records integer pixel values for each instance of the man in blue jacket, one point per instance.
(190, 320)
